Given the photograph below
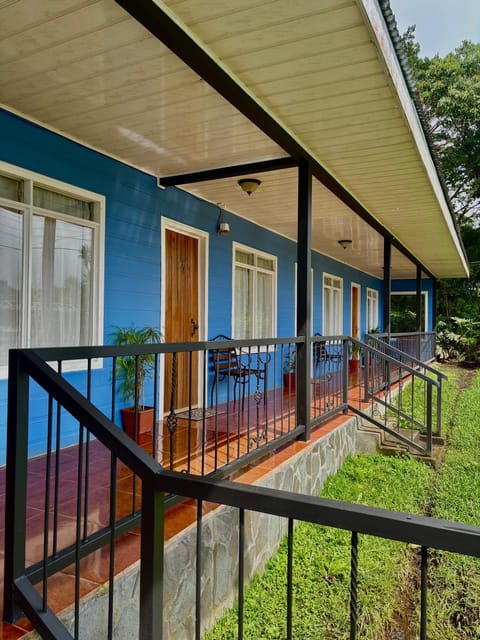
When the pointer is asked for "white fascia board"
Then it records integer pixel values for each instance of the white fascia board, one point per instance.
(385, 46)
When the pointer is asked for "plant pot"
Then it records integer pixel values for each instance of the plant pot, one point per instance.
(289, 381)
(145, 418)
(353, 366)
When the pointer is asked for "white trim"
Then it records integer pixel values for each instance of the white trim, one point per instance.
(338, 322)
(312, 289)
(267, 256)
(376, 298)
(203, 251)
(378, 28)
(27, 208)
(355, 285)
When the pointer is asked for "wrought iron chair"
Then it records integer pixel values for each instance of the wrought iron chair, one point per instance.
(323, 351)
(229, 363)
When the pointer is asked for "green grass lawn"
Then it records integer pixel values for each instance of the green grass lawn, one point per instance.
(454, 601)
(322, 555)
(322, 561)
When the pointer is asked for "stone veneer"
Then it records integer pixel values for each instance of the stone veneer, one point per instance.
(303, 472)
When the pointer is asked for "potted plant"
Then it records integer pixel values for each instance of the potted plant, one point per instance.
(354, 361)
(131, 373)
(289, 366)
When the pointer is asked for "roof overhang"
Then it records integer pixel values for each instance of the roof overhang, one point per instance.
(248, 82)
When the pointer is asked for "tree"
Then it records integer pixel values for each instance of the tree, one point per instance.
(449, 89)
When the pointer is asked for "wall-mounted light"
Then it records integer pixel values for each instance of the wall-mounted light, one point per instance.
(344, 243)
(249, 185)
(223, 228)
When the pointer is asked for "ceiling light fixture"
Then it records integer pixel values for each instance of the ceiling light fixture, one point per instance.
(249, 185)
(344, 243)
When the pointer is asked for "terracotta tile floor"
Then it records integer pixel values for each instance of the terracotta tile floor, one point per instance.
(94, 568)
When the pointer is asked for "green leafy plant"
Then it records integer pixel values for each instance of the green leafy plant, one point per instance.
(290, 361)
(355, 350)
(133, 371)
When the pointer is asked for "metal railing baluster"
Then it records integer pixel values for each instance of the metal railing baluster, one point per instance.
(78, 531)
(353, 585)
(290, 579)
(46, 514)
(111, 559)
(198, 573)
(241, 570)
(423, 593)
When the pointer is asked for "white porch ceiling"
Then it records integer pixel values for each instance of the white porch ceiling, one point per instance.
(90, 71)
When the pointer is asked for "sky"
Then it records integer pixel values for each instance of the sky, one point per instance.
(442, 25)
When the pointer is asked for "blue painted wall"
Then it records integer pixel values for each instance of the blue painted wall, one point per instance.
(134, 208)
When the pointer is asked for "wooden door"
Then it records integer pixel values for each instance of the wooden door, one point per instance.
(181, 318)
(355, 314)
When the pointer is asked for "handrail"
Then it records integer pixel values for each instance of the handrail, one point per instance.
(424, 365)
(420, 364)
(126, 449)
(375, 521)
(384, 366)
(156, 481)
(53, 354)
(377, 352)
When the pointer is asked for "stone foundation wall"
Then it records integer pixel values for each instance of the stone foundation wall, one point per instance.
(305, 472)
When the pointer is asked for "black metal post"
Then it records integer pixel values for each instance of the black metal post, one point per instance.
(429, 419)
(345, 350)
(353, 585)
(423, 593)
(387, 285)
(434, 303)
(387, 298)
(290, 580)
(151, 562)
(304, 245)
(16, 482)
(418, 310)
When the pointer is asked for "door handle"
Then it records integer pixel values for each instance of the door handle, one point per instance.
(195, 327)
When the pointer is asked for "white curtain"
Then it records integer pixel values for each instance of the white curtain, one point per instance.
(61, 283)
(11, 225)
(264, 328)
(242, 324)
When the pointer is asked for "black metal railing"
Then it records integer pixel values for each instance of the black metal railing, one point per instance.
(392, 390)
(95, 484)
(123, 453)
(420, 345)
(403, 347)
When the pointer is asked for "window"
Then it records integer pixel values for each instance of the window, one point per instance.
(254, 300)
(332, 305)
(403, 317)
(372, 310)
(50, 263)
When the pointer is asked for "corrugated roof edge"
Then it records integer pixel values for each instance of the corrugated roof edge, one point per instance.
(397, 42)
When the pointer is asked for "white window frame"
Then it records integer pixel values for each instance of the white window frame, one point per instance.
(335, 315)
(27, 209)
(425, 303)
(372, 299)
(358, 287)
(296, 299)
(236, 246)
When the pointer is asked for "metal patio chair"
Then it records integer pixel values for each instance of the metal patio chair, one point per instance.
(240, 365)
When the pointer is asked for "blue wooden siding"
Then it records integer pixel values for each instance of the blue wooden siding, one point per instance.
(134, 208)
